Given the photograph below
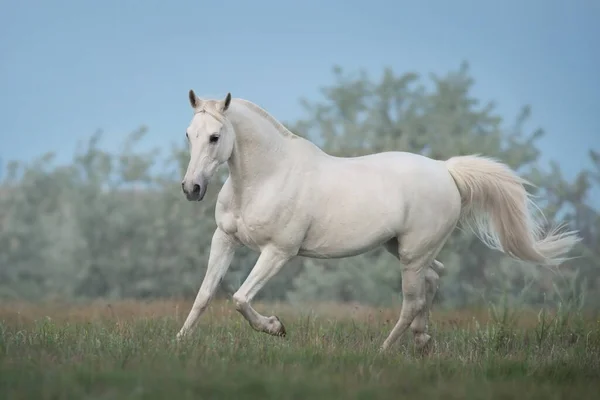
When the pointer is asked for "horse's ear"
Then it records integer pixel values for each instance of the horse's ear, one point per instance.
(194, 100)
(224, 104)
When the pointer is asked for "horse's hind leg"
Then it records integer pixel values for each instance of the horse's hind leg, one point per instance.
(419, 284)
(419, 326)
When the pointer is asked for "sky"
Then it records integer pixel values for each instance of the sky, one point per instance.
(71, 68)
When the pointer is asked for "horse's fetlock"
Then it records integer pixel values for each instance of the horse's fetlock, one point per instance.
(239, 301)
(422, 340)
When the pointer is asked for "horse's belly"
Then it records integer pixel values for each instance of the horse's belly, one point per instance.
(335, 249)
(342, 234)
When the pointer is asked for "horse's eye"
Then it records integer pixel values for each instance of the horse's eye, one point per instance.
(213, 138)
(186, 135)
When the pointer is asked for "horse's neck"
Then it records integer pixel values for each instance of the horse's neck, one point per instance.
(258, 150)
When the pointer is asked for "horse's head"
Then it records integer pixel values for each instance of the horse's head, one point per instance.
(210, 137)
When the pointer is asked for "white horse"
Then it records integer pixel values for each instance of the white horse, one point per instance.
(285, 197)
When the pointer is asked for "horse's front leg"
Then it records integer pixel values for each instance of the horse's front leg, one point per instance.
(222, 250)
(268, 264)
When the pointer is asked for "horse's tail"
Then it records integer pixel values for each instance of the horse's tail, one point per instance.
(495, 205)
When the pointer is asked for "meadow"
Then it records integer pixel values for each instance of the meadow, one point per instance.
(126, 350)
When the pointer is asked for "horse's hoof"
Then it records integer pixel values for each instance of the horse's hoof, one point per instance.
(383, 349)
(281, 332)
(425, 346)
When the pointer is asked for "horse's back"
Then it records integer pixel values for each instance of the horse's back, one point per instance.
(387, 174)
(361, 202)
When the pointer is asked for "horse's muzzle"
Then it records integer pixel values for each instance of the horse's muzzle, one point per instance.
(194, 191)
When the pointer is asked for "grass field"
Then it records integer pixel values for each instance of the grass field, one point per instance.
(127, 350)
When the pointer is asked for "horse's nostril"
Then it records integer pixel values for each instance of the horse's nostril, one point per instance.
(196, 189)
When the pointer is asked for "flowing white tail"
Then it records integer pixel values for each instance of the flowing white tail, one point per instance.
(496, 207)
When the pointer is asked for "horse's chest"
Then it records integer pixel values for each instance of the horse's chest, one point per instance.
(252, 231)
(262, 222)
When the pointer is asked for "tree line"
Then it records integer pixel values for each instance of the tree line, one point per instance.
(115, 225)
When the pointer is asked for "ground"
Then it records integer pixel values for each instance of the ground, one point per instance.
(127, 350)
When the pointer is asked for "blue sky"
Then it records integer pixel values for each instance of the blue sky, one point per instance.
(70, 68)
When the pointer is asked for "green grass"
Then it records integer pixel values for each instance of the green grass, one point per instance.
(128, 351)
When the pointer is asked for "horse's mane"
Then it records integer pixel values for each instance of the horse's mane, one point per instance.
(278, 125)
